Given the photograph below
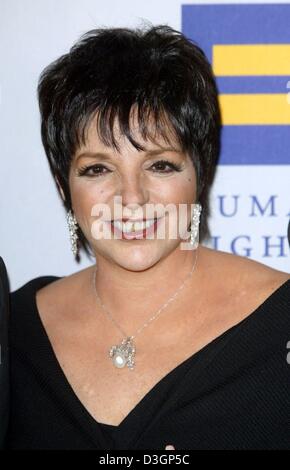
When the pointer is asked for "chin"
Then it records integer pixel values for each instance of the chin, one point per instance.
(137, 258)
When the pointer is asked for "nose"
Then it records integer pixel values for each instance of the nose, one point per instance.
(134, 192)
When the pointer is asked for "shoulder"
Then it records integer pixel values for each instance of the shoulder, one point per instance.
(242, 270)
(62, 287)
(23, 318)
(32, 284)
(242, 283)
(23, 297)
(4, 288)
(3, 271)
(62, 298)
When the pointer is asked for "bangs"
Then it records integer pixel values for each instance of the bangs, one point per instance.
(150, 122)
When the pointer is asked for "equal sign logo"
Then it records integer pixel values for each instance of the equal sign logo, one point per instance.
(256, 61)
(248, 46)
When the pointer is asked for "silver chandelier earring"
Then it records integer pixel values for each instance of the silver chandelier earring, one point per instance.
(72, 226)
(194, 229)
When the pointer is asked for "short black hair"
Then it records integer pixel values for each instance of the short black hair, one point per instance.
(109, 70)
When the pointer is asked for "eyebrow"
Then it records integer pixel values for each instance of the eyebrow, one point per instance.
(106, 156)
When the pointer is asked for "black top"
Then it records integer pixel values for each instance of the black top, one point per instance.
(234, 393)
(4, 370)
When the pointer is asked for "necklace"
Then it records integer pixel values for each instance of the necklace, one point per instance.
(123, 354)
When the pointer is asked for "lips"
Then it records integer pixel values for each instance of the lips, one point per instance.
(126, 219)
(139, 234)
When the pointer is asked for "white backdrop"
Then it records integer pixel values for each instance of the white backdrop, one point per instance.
(33, 233)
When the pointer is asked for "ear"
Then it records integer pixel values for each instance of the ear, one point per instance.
(60, 188)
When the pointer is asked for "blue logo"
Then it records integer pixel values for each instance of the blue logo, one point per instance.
(248, 46)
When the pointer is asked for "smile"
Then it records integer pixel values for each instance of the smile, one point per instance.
(131, 230)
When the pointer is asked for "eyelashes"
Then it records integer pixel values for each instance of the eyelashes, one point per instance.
(173, 166)
(84, 171)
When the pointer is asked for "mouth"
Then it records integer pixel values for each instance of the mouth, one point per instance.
(134, 230)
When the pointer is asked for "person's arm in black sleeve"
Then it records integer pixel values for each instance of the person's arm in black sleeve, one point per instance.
(4, 372)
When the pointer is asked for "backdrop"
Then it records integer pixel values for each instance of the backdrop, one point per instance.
(249, 47)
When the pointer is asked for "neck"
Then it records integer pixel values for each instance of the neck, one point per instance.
(128, 294)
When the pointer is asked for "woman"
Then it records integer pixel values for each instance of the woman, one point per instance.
(162, 340)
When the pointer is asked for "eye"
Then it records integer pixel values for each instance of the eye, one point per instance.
(163, 163)
(96, 170)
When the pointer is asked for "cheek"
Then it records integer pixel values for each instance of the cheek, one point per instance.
(190, 188)
(86, 194)
(85, 198)
(182, 191)
(190, 185)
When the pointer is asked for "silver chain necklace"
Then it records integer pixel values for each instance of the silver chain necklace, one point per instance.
(123, 354)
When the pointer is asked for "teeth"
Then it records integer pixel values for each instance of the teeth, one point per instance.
(129, 227)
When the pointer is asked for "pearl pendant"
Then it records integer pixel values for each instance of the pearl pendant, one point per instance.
(123, 354)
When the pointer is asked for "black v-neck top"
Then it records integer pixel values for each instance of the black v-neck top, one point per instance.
(234, 393)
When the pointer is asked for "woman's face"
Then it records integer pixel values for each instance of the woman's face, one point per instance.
(142, 182)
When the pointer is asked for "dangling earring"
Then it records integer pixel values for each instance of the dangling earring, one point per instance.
(194, 229)
(72, 226)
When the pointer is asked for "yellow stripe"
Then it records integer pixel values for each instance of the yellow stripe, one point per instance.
(251, 59)
(241, 109)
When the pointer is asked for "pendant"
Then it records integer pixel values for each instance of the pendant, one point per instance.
(123, 354)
